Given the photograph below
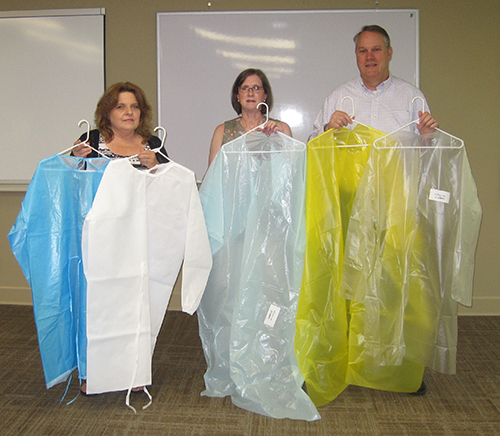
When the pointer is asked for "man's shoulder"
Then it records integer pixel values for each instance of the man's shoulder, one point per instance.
(401, 83)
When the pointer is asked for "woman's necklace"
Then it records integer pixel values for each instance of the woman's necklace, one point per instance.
(126, 147)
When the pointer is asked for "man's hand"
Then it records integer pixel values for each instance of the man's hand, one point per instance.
(427, 123)
(338, 120)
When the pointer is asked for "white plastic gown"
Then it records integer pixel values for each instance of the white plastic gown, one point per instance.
(253, 200)
(409, 258)
(46, 241)
(142, 226)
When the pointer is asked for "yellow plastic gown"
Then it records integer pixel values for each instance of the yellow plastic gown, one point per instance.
(335, 163)
(409, 259)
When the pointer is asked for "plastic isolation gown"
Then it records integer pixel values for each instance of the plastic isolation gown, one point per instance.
(46, 241)
(143, 225)
(253, 200)
(335, 164)
(409, 259)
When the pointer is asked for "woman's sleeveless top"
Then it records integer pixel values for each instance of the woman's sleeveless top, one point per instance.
(233, 129)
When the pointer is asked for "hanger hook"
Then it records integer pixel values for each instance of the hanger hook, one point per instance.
(267, 110)
(352, 104)
(419, 98)
(164, 137)
(88, 129)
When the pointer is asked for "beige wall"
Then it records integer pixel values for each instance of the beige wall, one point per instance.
(459, 75)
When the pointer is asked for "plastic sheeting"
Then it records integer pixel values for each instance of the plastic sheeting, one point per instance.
(335, 164)
(46, 241)
(409, 258)
(142, 226)
(253, 200)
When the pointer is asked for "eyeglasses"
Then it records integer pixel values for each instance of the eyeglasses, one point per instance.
(255, 88)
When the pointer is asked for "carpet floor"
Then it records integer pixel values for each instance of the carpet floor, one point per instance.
(464, 404)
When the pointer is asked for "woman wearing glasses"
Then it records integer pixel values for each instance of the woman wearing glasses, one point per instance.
(250, 88)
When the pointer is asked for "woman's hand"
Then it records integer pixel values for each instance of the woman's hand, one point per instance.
(82, 149)
(276, 126)
(148, 158)
(270, 127)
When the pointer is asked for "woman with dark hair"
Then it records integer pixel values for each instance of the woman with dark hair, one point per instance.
(253, 201)
(109, 247)
(123, 121)
(250, 88)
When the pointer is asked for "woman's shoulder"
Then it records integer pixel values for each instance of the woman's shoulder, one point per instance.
(283, 127)
(92, 133)
(93, 137)
(154, 144)
(154, 141)
(231, 123)
(232, 129)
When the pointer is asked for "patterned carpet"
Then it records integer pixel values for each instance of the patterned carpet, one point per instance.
(464, 404)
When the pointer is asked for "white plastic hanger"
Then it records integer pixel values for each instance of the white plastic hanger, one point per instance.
(260, 127)
(164, 137)
(411, 122)
(460, 141)
(84, 141)
(355, 121)
(156, 150)
(352, 116)
(267, 117)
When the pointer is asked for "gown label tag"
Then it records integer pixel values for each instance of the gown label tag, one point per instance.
(441, 196)
(272, 315)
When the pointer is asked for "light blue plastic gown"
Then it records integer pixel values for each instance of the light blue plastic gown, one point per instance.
(253, 200)
(46, 241)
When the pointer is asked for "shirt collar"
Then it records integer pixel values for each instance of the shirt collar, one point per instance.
(380, 88)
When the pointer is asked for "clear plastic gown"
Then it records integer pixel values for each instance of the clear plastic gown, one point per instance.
(409, 259)
(253, 200)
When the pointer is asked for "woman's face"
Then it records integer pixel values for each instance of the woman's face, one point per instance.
(126, 114)
(251, 92)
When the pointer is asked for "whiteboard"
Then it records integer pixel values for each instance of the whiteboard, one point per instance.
(51, 77)
(305, 55)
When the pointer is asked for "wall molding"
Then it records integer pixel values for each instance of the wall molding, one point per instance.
(22, 296)
(481, 306)
(15, 295)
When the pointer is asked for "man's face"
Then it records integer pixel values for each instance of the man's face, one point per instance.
(373, 57)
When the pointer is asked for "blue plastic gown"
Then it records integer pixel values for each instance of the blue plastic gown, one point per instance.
(46, 241)
(253, 200)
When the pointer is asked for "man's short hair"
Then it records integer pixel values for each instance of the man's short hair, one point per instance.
(376, 29)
